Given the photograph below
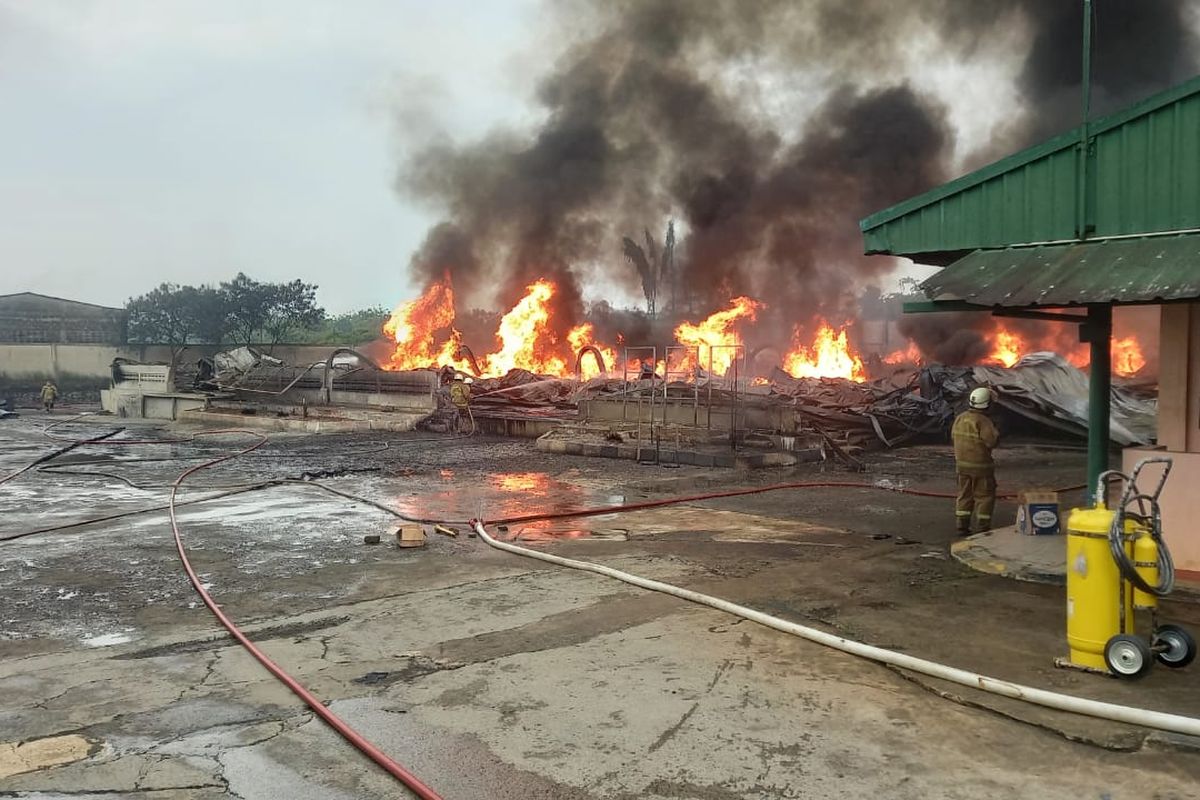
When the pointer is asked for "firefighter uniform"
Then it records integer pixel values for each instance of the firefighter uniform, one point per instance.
(460, 396)
(974, 438)
(49, 395)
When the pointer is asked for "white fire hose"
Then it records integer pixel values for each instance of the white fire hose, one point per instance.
(1174, 723)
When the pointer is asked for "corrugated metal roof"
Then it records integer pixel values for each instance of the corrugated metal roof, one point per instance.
(1143, 169)
(1135, 270)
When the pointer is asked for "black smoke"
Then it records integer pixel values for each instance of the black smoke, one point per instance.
(652, 112)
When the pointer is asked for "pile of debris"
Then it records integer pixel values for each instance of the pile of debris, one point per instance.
(1041, 393)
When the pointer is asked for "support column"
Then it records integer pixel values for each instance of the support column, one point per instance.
(1098, 333)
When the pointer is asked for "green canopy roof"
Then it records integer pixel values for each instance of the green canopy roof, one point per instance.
(1142, 177)
(1136, 270)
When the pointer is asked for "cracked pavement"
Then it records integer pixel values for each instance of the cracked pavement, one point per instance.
(492, 676)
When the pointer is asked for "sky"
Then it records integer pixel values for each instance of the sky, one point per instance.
(146, 141)
(150, 141)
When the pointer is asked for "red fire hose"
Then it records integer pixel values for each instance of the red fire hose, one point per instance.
(695, 498)
(332, 720)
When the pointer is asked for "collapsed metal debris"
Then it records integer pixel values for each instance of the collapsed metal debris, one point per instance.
(1042, 394)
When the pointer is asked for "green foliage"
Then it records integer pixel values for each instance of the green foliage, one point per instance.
(269, 312)
(291, 307)
(176, 315)
(241, 311)
(355, 327)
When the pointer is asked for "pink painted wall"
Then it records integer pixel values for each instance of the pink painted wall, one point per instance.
(1178, 433)
(1180, 503)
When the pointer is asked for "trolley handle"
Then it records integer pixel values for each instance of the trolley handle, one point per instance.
(1162, 480)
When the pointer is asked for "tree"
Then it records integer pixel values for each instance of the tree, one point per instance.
(351, 328)
(246, 301)
(212, 324)
(175, 315)
(291, 306)
(637, 256)
(262, 310)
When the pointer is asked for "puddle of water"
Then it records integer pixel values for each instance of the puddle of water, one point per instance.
(521, 482)
(503, 494)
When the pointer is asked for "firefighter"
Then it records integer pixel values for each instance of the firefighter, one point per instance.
(49, 395)
(975, 436)
(460, 396)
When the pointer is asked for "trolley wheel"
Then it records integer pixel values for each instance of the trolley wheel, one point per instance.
(1127, 656)
(1178, 646)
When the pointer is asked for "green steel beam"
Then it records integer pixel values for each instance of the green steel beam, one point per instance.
(1097, 331)
(1045, 316)
(939, 306)
(942, 306)
(1082, 206)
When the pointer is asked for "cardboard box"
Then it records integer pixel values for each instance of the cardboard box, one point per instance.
(410, 536)
(1038, 513)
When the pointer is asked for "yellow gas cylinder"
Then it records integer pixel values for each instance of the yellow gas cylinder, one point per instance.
(1145, 561)
(1093, 588)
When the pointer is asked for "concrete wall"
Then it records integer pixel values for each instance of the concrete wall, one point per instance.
(86, 366)
(684, 413)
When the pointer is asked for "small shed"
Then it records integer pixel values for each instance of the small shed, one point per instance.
(1103, 215)
(30, 318)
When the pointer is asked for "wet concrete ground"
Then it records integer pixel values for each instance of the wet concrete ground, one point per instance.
(494, 676)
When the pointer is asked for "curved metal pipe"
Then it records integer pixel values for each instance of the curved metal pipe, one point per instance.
(595, 351)
(466, 352)
(327, 380)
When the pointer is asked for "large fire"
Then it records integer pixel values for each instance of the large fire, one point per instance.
(529, 337)
(415, 324)
(525, 338)
(717, 339)
(1009, 346)
(829, 356)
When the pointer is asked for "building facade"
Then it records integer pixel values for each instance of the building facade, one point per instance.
(29, 318)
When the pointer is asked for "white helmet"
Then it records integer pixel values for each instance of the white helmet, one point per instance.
(981, 398)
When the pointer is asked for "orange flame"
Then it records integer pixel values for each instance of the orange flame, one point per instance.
(1006, 347)
(1009, 346)
(829, 356)
(1127, 358)
(414, 326)
(909, 355)
(524, 338)
(716, 338)
(524, 335)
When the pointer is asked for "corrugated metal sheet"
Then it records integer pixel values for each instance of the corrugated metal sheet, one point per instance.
(1138, 270)
(1144, 177)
